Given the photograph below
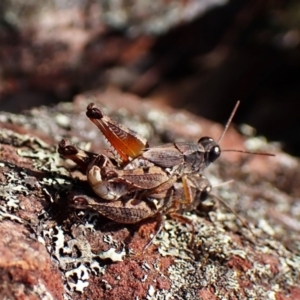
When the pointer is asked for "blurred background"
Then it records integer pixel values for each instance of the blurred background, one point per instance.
(200, 55)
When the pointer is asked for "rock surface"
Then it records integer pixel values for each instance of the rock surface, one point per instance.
(51, 251)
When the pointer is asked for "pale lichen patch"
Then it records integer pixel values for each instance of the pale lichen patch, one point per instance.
(112, 254)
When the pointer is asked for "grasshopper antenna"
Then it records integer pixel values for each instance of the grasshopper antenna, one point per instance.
(229, 121)
(226, 128)
(249, 152)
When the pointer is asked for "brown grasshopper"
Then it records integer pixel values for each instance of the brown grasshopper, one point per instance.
(179, 159)
(145, 181)
(141, 168)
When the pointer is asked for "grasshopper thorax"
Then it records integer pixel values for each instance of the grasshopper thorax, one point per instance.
(212, 150)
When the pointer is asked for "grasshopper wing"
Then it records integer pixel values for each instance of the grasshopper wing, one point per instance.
(127, 143)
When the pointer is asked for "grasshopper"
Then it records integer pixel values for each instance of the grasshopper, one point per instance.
(179, 159)
(140, 168)
(143, 182)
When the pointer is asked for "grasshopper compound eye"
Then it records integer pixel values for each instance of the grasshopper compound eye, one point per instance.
(211, 148)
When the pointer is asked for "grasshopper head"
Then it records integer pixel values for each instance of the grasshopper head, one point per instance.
(211, 148)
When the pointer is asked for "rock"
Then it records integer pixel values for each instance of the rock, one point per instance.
(51, 250)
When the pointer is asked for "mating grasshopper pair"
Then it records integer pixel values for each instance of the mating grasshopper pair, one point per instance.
(142, 181)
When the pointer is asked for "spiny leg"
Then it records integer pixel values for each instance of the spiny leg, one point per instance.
(80, 157)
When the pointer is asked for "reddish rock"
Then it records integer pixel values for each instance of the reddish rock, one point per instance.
(26, 266)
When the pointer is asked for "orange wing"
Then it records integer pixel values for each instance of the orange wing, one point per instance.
(126, 142)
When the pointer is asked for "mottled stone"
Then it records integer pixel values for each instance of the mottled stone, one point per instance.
(100, 259)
